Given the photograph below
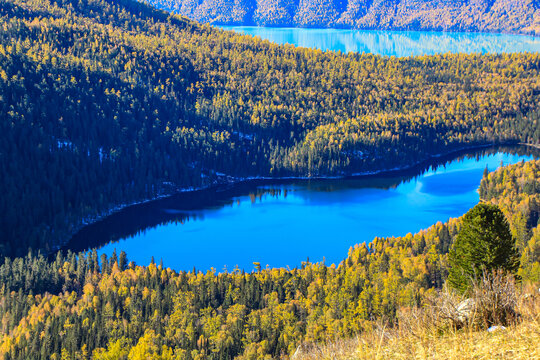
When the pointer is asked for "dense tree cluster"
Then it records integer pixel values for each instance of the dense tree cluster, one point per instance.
(77, 306)
(105, 103)
(516, 190)
(519, 16)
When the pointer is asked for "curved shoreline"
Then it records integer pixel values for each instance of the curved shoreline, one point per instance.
(227, 182)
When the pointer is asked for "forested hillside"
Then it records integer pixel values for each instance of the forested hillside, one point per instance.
(108, 102)
(516, 190)
(76, 307)
(516, 16)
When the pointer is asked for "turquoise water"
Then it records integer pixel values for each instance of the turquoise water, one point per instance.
(283, 223)
(394, 43)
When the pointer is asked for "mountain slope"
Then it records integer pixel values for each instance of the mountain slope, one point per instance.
(105, 103)
(514, 16)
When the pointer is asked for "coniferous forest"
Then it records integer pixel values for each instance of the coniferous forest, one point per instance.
(77, 306)
(105, 103)
(506, 16)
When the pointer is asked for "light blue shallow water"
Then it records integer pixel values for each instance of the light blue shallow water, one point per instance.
(394, 43)
(314, 219)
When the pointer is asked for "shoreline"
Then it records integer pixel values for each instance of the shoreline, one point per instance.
(227, 26)
(228, 181)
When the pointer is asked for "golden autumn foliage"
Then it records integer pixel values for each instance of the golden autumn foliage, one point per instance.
(131, 103)
(54, 307)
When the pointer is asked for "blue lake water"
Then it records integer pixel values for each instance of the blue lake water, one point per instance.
(394, 43)
(284, 222)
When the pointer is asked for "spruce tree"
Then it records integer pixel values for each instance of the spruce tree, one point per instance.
(484, 243)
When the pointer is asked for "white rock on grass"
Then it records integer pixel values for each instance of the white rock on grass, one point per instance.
(496, 328)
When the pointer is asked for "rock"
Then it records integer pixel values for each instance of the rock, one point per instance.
(496, 328)
(464, 310)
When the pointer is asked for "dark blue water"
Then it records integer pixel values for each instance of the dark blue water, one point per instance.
(283, 223)
(394, 43)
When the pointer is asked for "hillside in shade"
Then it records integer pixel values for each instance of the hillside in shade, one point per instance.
(107, 103)
(512, 16)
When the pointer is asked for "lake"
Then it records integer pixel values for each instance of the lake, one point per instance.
(282, 223)
(394, 43)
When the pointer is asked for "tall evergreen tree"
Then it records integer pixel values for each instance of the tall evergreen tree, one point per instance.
(484, 243)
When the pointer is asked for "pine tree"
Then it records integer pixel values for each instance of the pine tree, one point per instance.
(484, 243)
(122, 261)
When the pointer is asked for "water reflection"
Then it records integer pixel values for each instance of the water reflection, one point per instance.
(283, 221)
(394, 43)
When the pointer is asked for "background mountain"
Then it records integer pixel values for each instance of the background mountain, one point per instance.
(516, 16)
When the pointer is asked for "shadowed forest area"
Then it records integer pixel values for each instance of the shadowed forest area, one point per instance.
(110, 103)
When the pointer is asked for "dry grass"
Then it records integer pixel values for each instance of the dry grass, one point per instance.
(520, 340)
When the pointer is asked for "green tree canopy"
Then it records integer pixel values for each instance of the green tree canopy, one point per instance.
(484, 243)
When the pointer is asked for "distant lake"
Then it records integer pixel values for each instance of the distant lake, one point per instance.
(394, 43)
(281, 223)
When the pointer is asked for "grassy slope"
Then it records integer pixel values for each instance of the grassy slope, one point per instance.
(519, 341)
